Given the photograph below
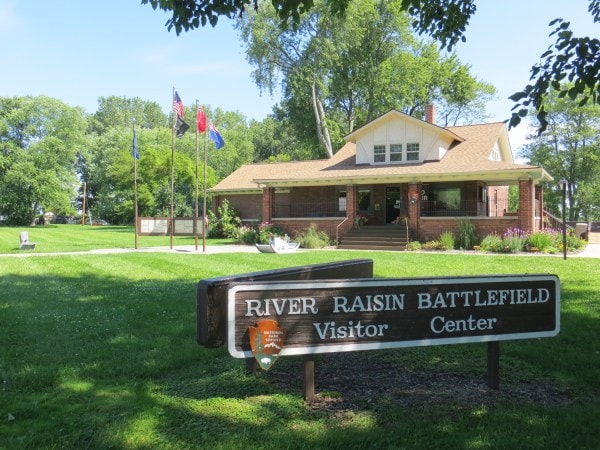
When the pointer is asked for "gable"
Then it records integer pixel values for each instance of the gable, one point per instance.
(397, 138)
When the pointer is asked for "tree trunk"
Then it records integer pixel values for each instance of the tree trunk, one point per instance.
(322, 130)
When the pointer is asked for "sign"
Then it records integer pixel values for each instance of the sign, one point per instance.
(211, 300)
(266, 341)
(368, 314)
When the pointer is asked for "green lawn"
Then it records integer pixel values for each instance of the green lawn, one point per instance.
(76, 238)
(99, 352)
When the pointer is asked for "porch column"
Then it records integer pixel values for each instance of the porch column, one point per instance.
(526, 205)
(267, 204)
(351, 202)
(539, 210)
(414, 208)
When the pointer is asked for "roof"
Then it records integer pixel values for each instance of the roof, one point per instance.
(467, 159)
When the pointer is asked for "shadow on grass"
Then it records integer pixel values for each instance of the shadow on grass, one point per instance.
(111, 362)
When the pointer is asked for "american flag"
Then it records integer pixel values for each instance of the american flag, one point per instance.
(178, 106)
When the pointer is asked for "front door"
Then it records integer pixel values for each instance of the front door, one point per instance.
(393, 203)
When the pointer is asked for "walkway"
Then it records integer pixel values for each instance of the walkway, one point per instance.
(591, 251)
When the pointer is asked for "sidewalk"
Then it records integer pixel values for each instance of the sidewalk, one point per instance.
(591, 251)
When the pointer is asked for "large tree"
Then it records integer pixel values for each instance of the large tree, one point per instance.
(40, 140)
(572, 59)
(570, 150)
(339, 74)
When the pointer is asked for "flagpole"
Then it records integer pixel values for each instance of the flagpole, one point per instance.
(196, 193)
(204, 219)
(135, 193)
(172, 219)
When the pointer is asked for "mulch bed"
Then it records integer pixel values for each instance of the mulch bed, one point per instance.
(345, 381)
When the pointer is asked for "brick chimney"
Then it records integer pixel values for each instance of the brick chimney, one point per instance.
(430, 115)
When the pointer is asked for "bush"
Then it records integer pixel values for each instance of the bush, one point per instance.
(542, 240)
(492, 243)
(247, 235)
(515, 239)
(446, 239)
(266, 231)
(226, 224)
(413, 246)
(466, 235)
(312, 238)
(433, 245)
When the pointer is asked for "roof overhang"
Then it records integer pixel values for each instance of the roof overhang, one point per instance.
(499, 177)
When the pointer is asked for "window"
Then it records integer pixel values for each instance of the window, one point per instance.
(379, 153)
(412, 151)
(395, 152)
(364, 200)
(495, 155)
(342, 201)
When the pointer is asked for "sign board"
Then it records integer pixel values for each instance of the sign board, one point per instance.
(368, 314)
(211, 300)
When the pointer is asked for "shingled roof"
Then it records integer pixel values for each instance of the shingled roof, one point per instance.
(467, 159)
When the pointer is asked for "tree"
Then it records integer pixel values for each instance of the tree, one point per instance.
(125, 112)
(40, 139)
(572, 59)
(570, 149)
(191, 14)
(338, 74)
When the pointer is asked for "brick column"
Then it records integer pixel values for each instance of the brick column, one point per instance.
(539, 197)
(526, 205)
(351, 202)
(414, 208)
(267, 204)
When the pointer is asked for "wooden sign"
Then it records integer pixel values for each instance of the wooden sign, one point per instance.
(211, 300)
(365, 314)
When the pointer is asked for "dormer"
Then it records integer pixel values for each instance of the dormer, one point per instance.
(397, 138)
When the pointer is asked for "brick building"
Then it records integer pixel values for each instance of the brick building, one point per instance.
(395, 169)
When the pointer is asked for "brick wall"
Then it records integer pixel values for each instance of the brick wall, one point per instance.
(249, 206)
(330, 226)
(431, 227)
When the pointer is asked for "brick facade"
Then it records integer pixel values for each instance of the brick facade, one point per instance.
(431, 227)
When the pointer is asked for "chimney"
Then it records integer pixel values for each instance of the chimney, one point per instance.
(430, 115)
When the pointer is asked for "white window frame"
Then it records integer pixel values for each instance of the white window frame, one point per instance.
(377, 155)
(411, 152)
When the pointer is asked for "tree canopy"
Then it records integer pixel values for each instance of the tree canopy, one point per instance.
(337, 74)
(570, 150)
(572, 60)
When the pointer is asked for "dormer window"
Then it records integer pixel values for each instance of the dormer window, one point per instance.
(379, 153)
(395, 152)
(412, 151)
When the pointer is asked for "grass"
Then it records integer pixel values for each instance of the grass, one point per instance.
(99, 351)
(76, 238)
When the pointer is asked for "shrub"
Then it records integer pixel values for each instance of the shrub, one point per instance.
(446, 239)
(492, 243)
(413, 246)
(433, 245)
(541, 240)
(247, 235)
(312, 238)
(466, 235)
(226, 224)
(266, 231)
(515, 239)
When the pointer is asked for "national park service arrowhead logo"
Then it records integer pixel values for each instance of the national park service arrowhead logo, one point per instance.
(266, 341)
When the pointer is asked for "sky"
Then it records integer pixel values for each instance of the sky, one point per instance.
(81, 50)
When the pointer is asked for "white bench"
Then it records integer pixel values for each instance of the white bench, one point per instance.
(25, 244)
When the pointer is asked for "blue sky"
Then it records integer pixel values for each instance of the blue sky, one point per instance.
(80, 50)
